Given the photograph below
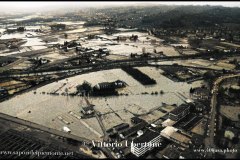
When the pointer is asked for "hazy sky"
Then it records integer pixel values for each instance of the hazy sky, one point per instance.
(36, 6)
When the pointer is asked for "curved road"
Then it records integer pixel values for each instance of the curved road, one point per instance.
(209, 141)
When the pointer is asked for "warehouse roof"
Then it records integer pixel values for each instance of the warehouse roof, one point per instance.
(180, 109)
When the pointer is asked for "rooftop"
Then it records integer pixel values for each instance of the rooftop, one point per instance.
(173, 133)
(168, 122)
(147, 136)
(171, 153)
(136, 120)
(202, 90)
(180, 109)
(121, 126)
(134, 129)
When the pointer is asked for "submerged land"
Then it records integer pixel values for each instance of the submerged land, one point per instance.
(121, 75)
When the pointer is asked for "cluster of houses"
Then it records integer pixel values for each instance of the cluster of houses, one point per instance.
(125, 38)
(207, 33)
(58, 27)
(69, 45)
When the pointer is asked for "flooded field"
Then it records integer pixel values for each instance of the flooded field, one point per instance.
(120, 74)
(76, 31)
(186, 45)
(79, 30)
(36, 40)
(216, 65)
(51, 106)
(31, 42)
(70, 22)
(114, 109)
(126, 47)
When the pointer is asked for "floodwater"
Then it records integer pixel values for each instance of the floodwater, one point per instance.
(34, 42)
(199, 63)
(23, 18)
(2, 30)
(45, 107)
(13, 35)
(126, 29)
(125, 48)
(31, 40)
(180, 44)
(70, 22)
(77, 30)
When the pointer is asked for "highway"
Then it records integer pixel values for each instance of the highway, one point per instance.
(94, 67)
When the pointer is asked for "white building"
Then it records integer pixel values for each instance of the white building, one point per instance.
(146, 142)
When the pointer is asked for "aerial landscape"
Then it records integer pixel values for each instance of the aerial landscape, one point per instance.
(120, 80)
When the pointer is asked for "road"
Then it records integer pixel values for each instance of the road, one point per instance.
(209, 141)
(153, 59)
(90, 67)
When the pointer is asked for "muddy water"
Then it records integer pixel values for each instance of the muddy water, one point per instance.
(45, 107)
(134, 90)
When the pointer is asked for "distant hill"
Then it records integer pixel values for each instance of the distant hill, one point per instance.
(194, 16)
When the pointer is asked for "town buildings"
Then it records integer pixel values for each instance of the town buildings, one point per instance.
(179, 112)
(145, 142)
(176, 136)
(57, 27)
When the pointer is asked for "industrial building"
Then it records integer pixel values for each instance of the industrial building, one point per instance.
(109, 85)
(168, 122)
(200, 93)
(120, 127)
(176, 136)
(133, 130)
(171, 153)
(179, 112)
